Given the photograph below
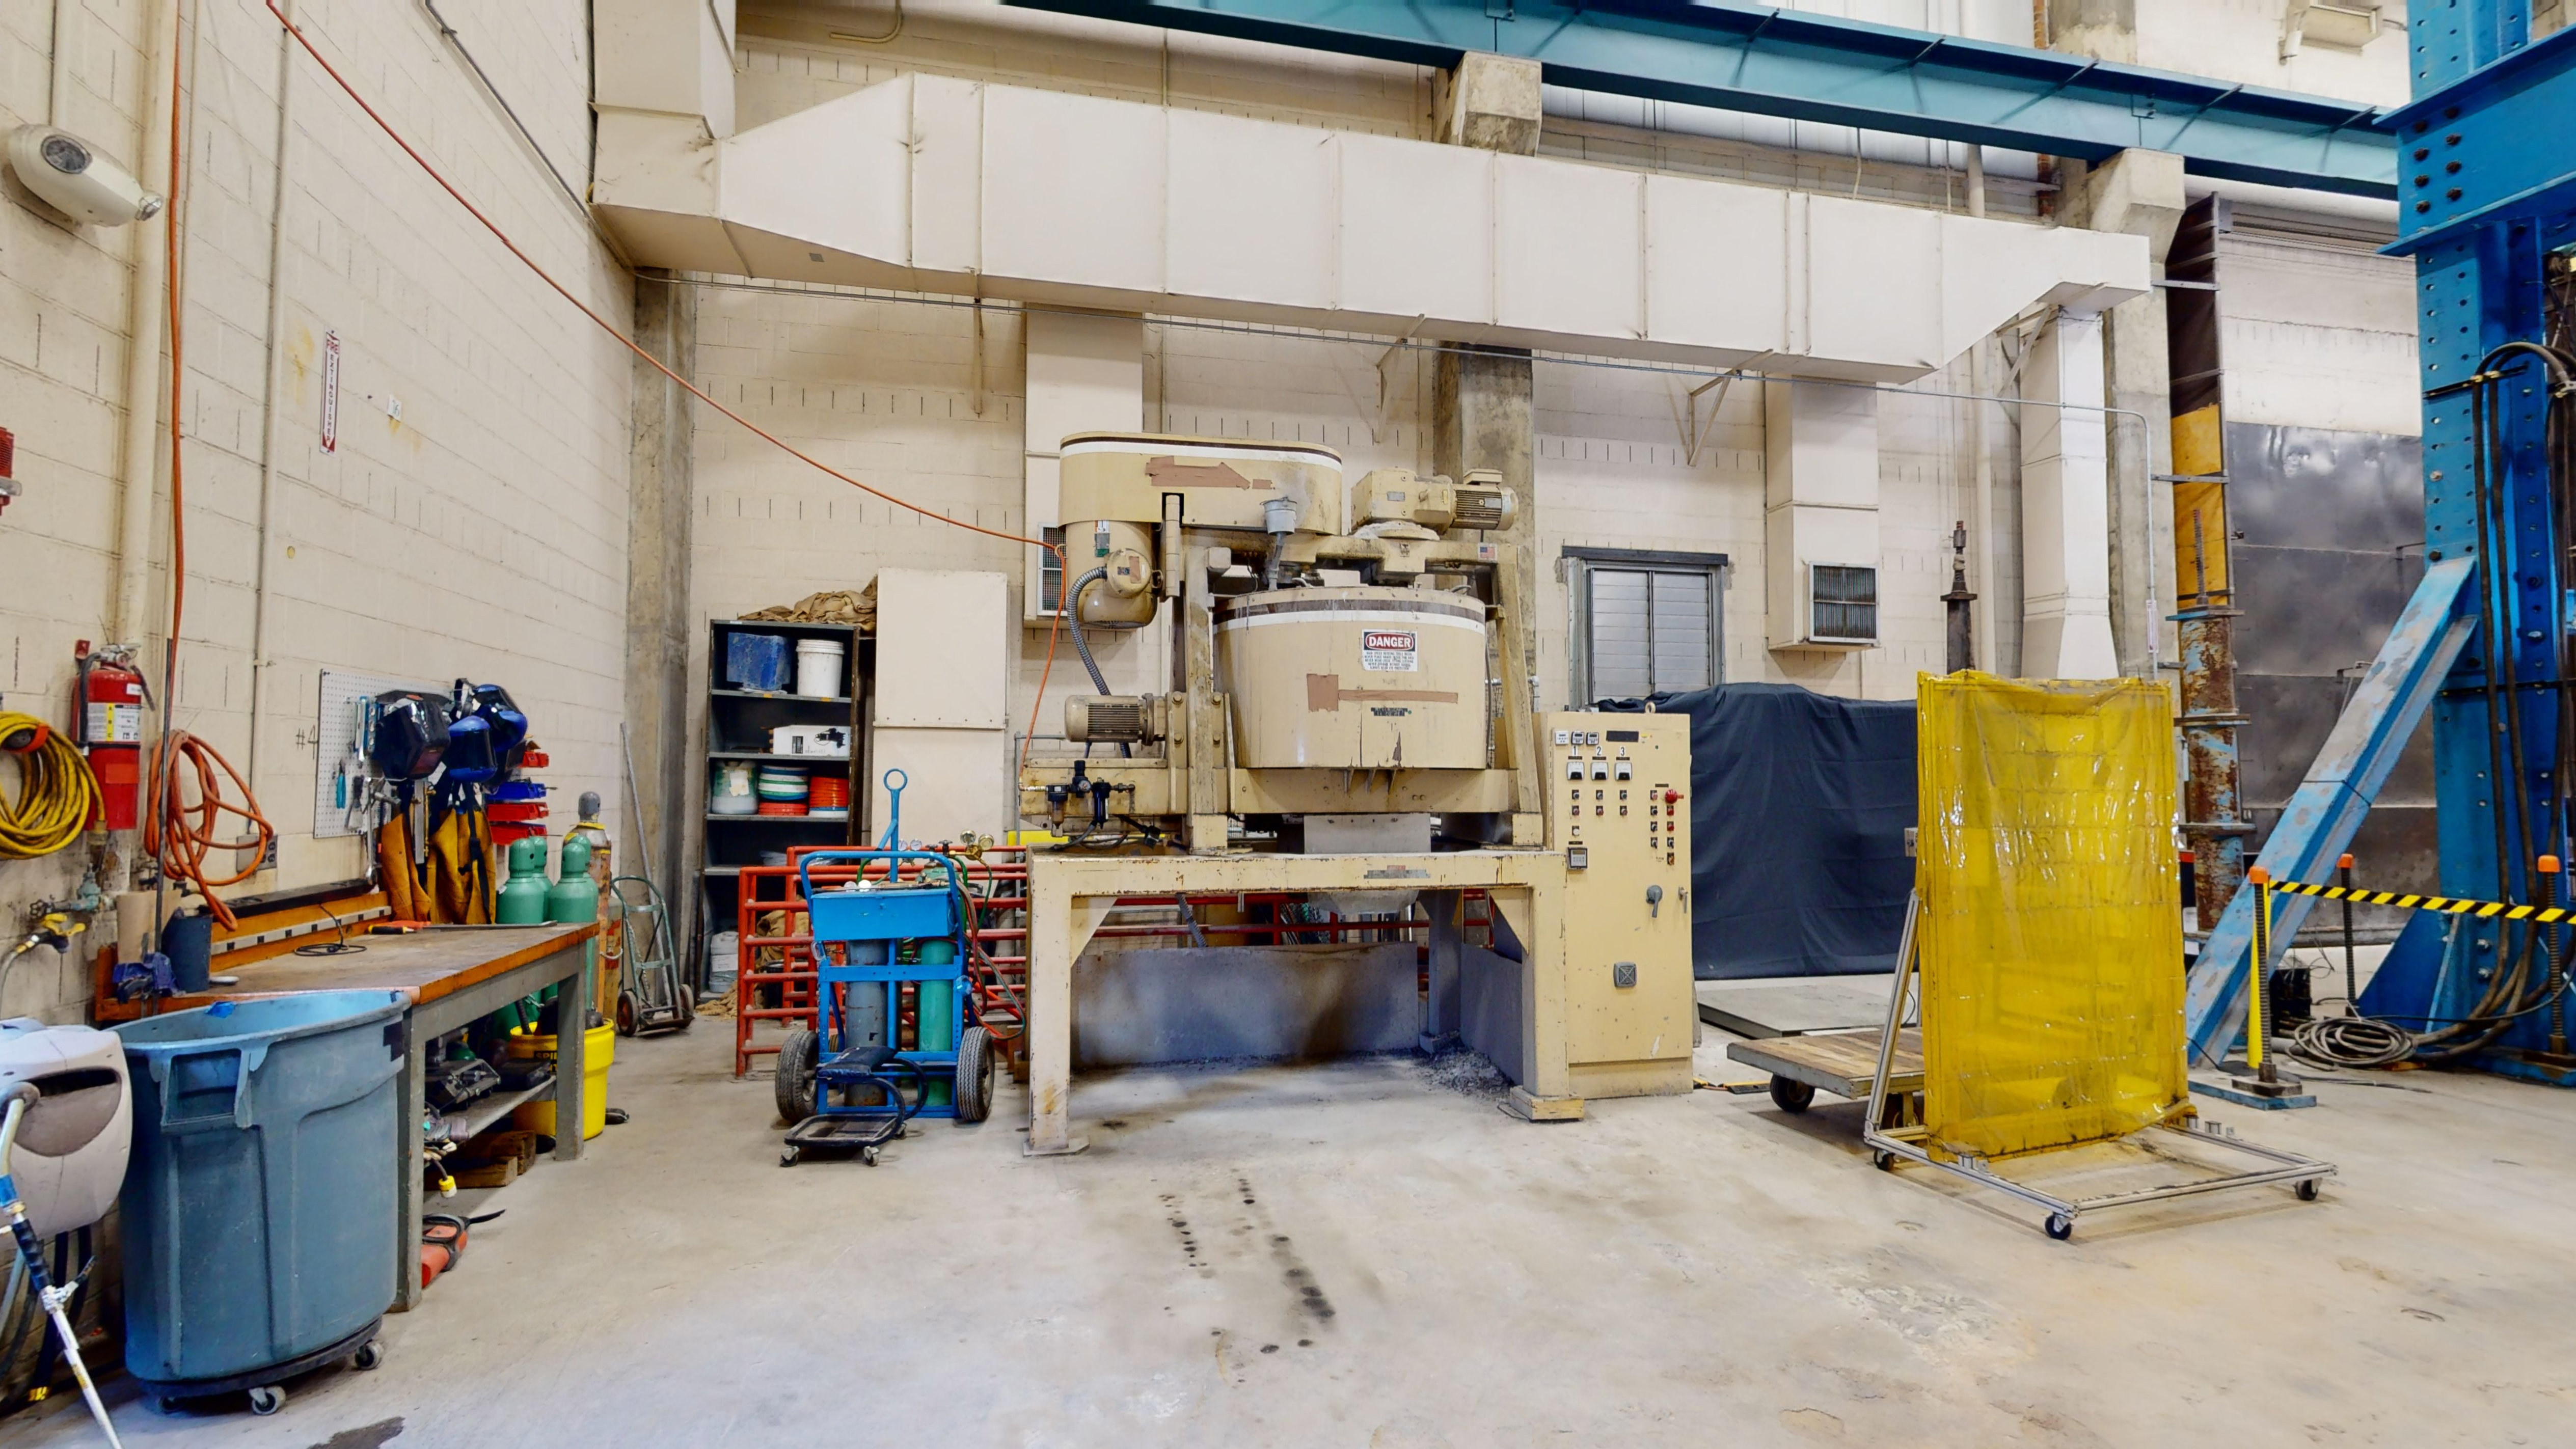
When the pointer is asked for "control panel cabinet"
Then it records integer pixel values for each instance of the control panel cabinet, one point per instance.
(1618, 793)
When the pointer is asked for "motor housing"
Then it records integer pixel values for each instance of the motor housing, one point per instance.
(1114, 719)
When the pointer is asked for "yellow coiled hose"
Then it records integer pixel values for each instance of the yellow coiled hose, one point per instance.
(56, 792)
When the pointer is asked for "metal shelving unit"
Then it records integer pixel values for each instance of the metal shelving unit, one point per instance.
(738, 722)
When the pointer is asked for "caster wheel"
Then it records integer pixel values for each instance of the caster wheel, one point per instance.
(1791, 1096)
(166, 1408)
(370, 1356)
(2060, 1226)
(626, 1013)
(1883, 1161)
(787, 1159)
(973, 1090)
(868, 1155)
(267, 1399)
(793, 1085)
(2308, 1189)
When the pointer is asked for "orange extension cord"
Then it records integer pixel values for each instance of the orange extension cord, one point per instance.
(181, 835)
(1054, 625)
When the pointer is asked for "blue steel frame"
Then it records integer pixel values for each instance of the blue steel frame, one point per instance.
(891, 914)
(1811, 67)
(2488, 190)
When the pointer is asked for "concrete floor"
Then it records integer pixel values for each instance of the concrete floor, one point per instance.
(1359, 1254)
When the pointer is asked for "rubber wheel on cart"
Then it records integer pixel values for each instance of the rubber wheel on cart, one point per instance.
(1883, 1160)
(688, 1009)
(974, 1087)
(370, 1355)
(2307, 1189)
(267, 1399)
(2060, 1226)
(798, 1060)
(1791, 1096)
(625, 1013)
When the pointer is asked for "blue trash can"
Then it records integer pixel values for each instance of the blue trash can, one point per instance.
(259, 1212)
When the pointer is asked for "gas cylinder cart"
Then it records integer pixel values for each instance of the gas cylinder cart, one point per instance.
(855, 1084)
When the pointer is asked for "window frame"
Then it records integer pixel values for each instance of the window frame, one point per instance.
(1579, 564)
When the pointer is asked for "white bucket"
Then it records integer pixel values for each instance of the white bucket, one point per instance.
(818, 668)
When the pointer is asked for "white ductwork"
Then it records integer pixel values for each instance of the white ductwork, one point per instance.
(2065, 505)
(1820, 500)
(941, 185)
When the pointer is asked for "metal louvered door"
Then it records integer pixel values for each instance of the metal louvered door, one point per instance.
(1651, 631)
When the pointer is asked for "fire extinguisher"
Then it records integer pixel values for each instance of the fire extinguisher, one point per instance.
(113, 698)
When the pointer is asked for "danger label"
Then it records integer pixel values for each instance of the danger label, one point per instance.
(1390, 651)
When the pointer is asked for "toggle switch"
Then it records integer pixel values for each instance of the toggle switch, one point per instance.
(1654, 900)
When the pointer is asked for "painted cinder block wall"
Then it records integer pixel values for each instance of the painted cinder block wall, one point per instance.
(482, 533)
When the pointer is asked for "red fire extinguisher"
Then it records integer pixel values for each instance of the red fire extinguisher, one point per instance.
(112, 700)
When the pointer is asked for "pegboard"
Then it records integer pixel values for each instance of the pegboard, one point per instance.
(336, 721)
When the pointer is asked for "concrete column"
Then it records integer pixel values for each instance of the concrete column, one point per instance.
(660, 510)
(2141, 193)
(2065, 543)
(1482, 404)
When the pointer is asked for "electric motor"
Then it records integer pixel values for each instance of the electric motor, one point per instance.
(1113, 719)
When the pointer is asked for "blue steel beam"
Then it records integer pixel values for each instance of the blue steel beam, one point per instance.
(2318, 823)
(1820, 68)
(2471, 155)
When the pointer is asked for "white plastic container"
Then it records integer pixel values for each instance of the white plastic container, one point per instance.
(730, 790)
(818, 667)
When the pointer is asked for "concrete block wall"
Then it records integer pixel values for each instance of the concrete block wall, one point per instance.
(481, 533)
(2318, 335)
(1614, 472)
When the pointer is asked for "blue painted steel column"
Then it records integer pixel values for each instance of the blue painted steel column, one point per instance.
(2487, 191)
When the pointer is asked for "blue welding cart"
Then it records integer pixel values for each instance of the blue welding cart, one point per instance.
(851, 1084)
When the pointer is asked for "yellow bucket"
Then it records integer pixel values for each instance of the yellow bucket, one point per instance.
(598, 1048)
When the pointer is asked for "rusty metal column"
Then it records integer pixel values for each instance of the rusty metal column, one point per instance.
(2214, 827)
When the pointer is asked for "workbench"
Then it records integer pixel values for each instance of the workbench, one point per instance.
(453, 975)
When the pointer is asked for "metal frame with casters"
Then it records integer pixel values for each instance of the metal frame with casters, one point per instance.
(861, 931)
(266, 1385)
(1889, 1145)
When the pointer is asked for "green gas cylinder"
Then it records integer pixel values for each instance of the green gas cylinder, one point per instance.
(522, 900)
(575, 896)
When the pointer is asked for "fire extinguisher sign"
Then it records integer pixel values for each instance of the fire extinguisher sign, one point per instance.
(1390, 651)
(330, 392)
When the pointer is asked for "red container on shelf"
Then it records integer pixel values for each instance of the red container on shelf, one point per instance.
(782, 807)
(828, 792)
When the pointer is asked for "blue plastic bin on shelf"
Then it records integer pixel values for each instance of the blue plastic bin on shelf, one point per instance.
(756, 661)
(259, 1212)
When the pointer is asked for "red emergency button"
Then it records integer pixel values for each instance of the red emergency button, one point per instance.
(1672, 796)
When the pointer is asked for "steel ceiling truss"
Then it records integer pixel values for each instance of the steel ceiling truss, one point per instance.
(1810, 67)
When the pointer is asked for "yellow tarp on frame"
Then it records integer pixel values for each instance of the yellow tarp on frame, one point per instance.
(2050, 934)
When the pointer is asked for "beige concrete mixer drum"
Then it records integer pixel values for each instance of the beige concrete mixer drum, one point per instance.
(1355, 678)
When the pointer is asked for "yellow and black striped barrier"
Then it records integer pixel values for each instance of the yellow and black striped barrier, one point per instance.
(2447, 905)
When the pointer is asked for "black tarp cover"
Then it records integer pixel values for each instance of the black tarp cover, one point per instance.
(1799, 807)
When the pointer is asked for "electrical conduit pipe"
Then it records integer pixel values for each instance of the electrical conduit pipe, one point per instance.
(143, 331)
